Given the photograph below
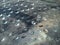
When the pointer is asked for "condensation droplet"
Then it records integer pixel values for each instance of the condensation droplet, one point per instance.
(11, 12)
(3, 39)
(3, 18)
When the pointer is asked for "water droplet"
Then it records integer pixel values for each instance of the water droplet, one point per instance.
(3, 39)
(27, 9)
(16, 4)
(11, 12)
(9, 9)
(1, 15)
(3, 18)
(5, 22)
(10, 34)
(18, 20)
(21, 4)
(32, 8)
(18, 24)
(8, 15)
(22, 10)
(25, 6)
(17, 38)
(33, 22)
(17, 12)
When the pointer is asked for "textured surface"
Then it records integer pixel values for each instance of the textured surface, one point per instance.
(29, 22)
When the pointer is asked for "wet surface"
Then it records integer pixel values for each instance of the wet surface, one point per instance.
(29, 23)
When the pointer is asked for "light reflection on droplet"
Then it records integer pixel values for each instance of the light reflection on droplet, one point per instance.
(8, 15)
(17, 12)
(18, 24)
(21, 4)
(33, 22)
(1, 15)
(9, 9)
(22, 10)
(25, 6)
(27, 9)
(3, 18)
(10, 34)
(16, 5)
(17, 38)
(32, 8)
(5, 22)
(11, 12)
(18, 20)
(3, 39)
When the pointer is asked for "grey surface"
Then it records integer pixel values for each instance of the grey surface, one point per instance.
(29, 22)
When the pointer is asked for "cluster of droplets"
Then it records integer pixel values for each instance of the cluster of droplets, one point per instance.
(20, 6)
(15, 24)
(17, 18)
